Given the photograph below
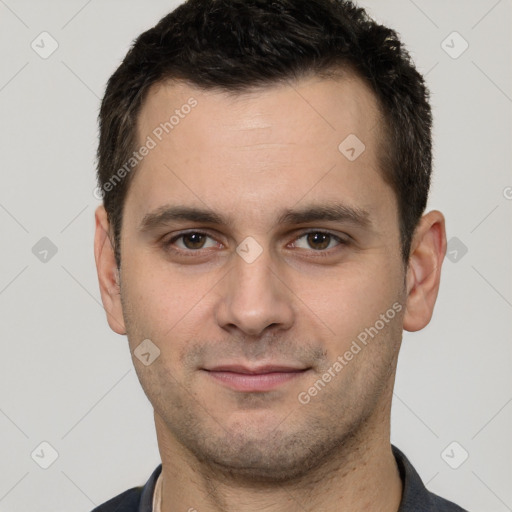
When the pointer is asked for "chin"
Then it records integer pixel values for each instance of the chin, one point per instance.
(275, 457)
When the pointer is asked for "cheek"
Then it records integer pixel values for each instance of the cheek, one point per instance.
(151, 300)
(352, 298)
(164, 304)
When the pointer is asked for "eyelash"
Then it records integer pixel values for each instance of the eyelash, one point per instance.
(318, 253)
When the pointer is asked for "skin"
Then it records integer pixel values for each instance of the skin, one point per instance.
(249, 158)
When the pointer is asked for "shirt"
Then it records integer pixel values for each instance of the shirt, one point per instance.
(415, 496)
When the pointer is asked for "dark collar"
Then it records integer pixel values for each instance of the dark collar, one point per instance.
(146, 498)
(415, 496)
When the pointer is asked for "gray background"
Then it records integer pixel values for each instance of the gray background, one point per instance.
(66, 379)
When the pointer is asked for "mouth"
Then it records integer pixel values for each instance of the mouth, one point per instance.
(257, 379)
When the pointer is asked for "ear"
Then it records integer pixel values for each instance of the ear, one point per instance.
(428, 249)
(108, 274)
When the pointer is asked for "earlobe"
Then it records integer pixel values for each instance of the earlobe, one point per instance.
(108, 273)
(428, 249)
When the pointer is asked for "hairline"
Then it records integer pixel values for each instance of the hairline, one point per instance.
(336, 71)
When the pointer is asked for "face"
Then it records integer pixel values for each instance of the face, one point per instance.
(253, 242)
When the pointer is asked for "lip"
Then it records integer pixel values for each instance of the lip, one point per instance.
(257, 379)
(269, 368)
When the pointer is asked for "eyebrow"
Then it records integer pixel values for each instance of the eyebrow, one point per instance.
(311, 213)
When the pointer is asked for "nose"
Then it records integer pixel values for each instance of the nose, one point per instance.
(254, 297)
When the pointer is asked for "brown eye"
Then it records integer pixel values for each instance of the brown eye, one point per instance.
(318, 240)
(193, 244)
(193, 240)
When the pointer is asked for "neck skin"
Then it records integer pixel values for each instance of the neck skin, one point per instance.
(361, 476)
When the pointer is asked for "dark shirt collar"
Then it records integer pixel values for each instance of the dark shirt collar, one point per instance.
(146, 498)
(415, 496)
(414, 493)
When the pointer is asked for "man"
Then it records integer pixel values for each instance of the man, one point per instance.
(265, 169)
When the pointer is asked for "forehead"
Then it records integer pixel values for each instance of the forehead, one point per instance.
(276, 144)
(293, 108)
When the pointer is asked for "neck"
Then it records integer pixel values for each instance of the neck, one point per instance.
(360, 475)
